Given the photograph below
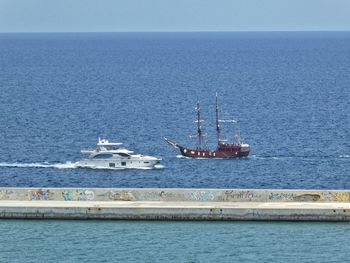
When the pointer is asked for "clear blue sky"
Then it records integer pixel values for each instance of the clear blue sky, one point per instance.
(172, 15)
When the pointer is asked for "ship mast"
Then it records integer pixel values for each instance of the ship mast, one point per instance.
(217, 120)
(199, 127)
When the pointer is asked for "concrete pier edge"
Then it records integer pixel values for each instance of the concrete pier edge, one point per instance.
(175, 204)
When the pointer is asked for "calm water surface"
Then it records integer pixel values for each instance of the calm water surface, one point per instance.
(59, 92)
(118, 241)
(291, 92)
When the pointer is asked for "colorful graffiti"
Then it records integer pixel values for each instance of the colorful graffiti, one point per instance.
(341, 196)
(202, 196)
(175, 195)
(78, 195)
(67, 195)
(84, 195)
(40, 194)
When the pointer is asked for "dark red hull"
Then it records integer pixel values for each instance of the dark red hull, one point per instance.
(224, 150)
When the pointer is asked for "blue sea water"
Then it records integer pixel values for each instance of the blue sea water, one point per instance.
(59, 92)
(290, 91)
(123, 241)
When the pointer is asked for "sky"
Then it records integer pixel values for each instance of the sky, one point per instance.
(173, 15)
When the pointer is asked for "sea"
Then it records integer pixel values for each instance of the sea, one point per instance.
(290, 92)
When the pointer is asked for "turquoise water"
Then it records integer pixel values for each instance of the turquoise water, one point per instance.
(146, 241)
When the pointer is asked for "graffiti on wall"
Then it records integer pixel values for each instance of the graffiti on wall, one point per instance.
(78, 195)
(175, 196)
(40, 194)
(311, 197)
(307, 198)
(231, 195)
(67, 195)
(120, 196)
(84, 195)
(149, 196)
(336, 196)
(282, 196)
(6, 194)
(201, 196)
(162, 195)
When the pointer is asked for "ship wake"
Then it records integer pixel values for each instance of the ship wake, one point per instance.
(68, 165)
(309, 158)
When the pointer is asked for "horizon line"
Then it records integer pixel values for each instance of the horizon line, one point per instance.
(173, 31)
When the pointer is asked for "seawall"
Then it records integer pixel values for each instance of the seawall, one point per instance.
(175, 204)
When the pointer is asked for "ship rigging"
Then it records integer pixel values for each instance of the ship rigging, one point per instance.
(224, 148)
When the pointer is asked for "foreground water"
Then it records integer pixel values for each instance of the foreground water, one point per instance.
(59, 92)
(105, 241)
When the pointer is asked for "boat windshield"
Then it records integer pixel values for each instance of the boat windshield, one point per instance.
(123, 154)
(103, 156)
(108, 148)
(111, 147)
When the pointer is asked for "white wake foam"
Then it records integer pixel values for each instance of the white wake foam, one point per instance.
(182, 157)
(70, 165)
(67, 165)
(311, 158)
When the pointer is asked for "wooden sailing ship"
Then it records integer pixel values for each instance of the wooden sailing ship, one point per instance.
(224, 148)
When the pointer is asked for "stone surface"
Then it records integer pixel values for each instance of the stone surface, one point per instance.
(175, 204)
(173, 194)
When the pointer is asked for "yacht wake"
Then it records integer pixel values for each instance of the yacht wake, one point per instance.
(67, 165)
(70, 165)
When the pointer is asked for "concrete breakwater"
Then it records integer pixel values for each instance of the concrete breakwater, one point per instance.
(175, 204)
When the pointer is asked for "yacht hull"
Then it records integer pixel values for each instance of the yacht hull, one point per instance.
(117, 164)
(109, 155)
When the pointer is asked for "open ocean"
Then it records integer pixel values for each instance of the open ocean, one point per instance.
(290, 91)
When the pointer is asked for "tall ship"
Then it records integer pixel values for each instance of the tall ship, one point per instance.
(224, 148)
(111, 155)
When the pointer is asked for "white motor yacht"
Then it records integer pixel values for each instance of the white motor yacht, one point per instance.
(110, 155)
